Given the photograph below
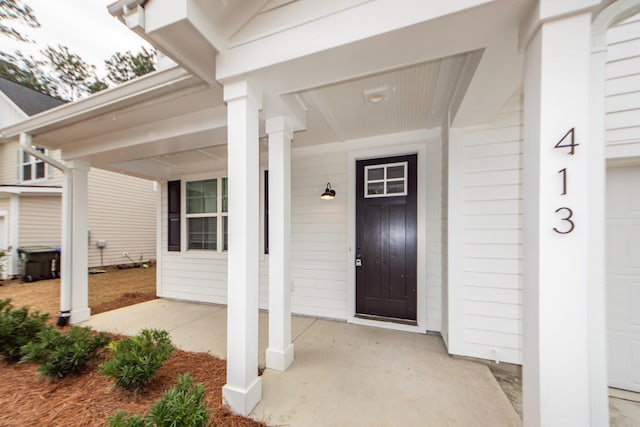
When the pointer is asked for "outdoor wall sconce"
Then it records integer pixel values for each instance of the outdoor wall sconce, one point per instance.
(329, 193)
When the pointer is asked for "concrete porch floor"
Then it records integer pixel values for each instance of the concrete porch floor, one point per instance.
(343, 374)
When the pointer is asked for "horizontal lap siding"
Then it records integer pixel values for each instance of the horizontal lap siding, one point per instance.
(8, 163)
(122, 211)
(319, 235)
(492, 247)
(195, 277)
(40, 219)
(444, 244)
(319, 228)
(622, 103)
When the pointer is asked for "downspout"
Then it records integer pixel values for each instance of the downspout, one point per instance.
(67, 212)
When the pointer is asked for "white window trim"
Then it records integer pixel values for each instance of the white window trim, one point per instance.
(33, 162)
(385, 180)
(184, 217)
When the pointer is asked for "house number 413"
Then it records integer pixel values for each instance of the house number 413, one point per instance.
(567, 142)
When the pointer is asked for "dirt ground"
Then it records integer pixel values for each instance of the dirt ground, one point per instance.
(107, 291)
(89, 399)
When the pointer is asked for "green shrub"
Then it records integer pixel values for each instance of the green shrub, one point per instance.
(60, 354)
(181, 405)
(135, 360)
(120, 419)
(18, 328)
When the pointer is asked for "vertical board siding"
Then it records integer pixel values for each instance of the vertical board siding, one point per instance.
(622, 103)
(122, 211)
(492, 246)
(319, 271)
(40, 219)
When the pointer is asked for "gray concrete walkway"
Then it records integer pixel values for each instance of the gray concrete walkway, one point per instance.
(343, 374)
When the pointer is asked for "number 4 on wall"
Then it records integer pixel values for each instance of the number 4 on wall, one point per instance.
(568, 141)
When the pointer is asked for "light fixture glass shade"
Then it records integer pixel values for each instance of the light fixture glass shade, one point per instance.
(329, 193)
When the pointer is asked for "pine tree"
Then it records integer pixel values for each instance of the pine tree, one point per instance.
(70, 70)
(16, 11)
(122, 67)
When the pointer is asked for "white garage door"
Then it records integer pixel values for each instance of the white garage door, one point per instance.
(623, 277)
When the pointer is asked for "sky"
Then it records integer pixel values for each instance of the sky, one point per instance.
(85, 26)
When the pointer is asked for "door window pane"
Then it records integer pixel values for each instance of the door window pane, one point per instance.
(395, 172)
(387, 180)
(395, 187)
(374, 174)
(375, 188)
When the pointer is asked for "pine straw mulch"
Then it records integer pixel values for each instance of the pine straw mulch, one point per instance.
(89, 399)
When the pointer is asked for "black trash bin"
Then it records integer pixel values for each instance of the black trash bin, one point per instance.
(38, 262)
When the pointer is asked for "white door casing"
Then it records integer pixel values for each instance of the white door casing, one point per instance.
(623, 277)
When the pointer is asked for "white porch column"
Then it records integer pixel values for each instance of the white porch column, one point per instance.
(75, 247)
(280, 352)
(14, 218)
(244, 388)
(559, 386)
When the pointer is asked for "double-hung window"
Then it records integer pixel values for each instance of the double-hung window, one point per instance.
(206, 214)
(30, 167)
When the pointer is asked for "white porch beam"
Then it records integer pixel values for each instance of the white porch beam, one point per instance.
(558, 373)
(74, 276)
(280, 352)
(243, 390)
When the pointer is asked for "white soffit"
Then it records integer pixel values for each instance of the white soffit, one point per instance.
(414, 97)
(193, 99)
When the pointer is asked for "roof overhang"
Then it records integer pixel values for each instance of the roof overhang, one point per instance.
(148, 87)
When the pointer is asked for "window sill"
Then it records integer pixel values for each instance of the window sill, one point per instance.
(201, 254)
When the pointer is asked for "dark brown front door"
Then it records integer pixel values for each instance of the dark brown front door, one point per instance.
(386, 238)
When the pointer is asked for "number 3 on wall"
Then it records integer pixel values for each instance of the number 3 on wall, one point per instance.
(567, 218)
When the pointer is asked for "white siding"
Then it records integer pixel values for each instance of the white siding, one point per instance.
(444, 246)
(492, 237)
(434, 235)
(622, 104)
(5, 229)
(122, 211)
(319, 230)
(8, 163)
(40, 219)
(319, 235)
(9, 166)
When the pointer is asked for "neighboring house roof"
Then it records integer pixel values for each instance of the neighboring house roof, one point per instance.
(30, 101)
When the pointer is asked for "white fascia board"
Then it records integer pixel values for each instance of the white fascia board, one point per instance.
(121, 96)
(347, 26)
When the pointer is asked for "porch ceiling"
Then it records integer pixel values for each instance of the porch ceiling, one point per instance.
(413, 97)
